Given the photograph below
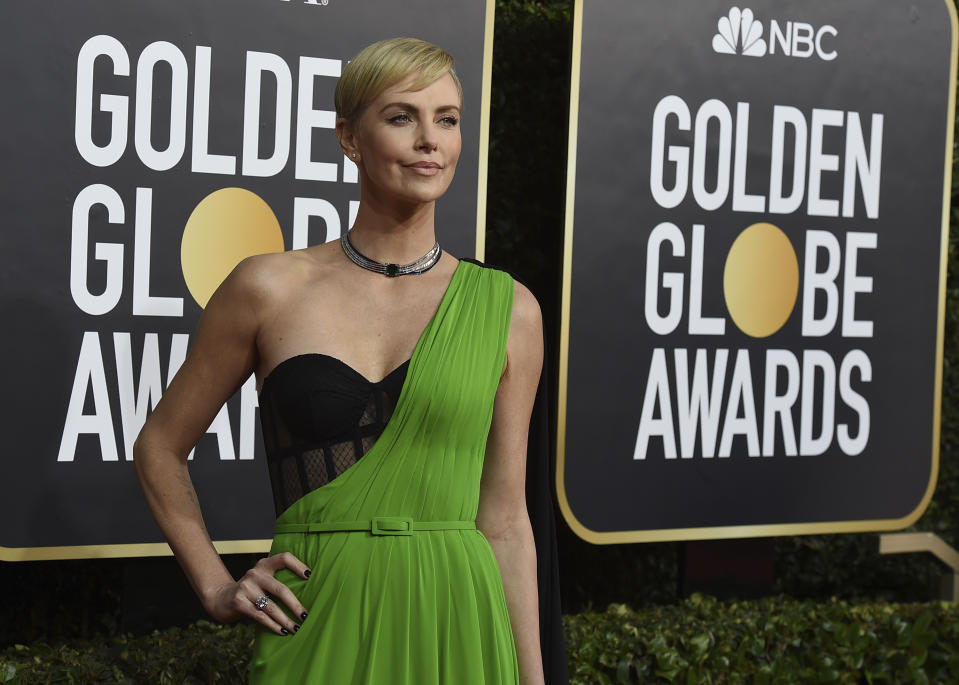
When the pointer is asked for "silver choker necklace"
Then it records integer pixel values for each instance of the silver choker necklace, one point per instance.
(421, 265)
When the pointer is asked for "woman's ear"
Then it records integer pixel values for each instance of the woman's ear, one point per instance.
(347, 138)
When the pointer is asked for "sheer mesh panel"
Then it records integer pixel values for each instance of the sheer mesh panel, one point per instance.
(308, 431)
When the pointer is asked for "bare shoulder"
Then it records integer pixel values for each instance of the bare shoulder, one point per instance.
(527, 317)
(259, 273)
(260, 280)
(524, 346)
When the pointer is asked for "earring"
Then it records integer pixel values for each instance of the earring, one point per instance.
(354, 155)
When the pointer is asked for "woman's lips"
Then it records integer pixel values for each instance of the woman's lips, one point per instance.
(424, 168)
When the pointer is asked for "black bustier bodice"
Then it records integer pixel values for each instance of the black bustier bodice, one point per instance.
(319, 416)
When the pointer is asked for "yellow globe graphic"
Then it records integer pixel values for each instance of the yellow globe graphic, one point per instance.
(761, 280)
(227, 226)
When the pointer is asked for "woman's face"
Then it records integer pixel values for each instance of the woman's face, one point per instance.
(408, 141)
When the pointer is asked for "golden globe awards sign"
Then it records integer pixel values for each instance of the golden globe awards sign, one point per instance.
(148, 147)
(755, 269)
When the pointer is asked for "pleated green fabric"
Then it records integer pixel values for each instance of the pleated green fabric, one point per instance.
(425, 608)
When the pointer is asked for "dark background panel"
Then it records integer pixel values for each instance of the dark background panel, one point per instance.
(895, 62)
(90, 501)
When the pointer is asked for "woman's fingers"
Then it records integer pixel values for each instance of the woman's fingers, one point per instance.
(287, 560)
(269, 616)
(283, 594)
(253, 600)
(261, 578)
(274, 617)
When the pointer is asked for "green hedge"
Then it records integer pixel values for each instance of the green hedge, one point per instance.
(202, 653)
(773, 640)
(700, 640)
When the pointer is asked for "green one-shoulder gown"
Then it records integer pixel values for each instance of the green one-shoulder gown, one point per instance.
(415, 598)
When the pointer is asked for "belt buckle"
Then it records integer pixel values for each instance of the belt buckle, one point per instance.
(391, 525)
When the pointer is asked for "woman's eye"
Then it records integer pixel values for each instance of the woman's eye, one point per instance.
(450, 121)
(399, 119)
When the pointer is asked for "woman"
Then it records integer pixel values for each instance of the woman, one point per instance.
(395, 403)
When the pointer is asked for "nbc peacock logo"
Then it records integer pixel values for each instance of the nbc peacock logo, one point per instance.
(740, 34)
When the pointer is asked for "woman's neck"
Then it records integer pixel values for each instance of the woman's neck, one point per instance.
(394, 236)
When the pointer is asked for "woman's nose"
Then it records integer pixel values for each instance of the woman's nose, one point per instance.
(426, 143)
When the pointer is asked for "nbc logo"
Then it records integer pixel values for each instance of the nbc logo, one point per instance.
(740, 33)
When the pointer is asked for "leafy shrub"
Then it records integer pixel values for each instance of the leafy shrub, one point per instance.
(777, 640)
(202, 653)
(700, 640)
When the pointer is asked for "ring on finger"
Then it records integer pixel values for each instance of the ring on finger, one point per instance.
(261, 602)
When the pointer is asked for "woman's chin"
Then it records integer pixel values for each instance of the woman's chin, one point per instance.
(425, 194)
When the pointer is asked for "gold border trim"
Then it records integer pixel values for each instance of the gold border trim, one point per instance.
(145, 549)
(484, 131)
(162, 549)
(764, 530)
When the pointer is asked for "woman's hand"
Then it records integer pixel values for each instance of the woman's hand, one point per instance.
(232, 601)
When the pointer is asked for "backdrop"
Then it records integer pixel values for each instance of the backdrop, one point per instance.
(755, 266)
(148, 146)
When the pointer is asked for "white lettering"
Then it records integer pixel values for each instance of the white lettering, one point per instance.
(802, 39)
(256, 64)
(90, 374)
(145, 304)
(853, 284)
(783, 38)
(134, 404)
(868, 167)
(308, 118)
(306, 207)
(810, 445)
(780, 404)
(824, 281)
(248, 404)
(115, 105)
(154, 53)
(203, 161)
(672, 281)
(712, 109)
(699, 404)
(820, 162)
(657, 392)
(740, 393)
(825, 30)
(741, 201)
(677, 154)
(699, 324)
(779, 203)
(855, 359)
(110, 253)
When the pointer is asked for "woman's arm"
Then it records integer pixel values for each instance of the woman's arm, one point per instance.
(221, 358)
(502, 516)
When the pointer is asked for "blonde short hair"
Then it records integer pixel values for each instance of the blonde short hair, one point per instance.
(383, 64)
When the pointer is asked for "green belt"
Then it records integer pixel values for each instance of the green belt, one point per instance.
(379, 525)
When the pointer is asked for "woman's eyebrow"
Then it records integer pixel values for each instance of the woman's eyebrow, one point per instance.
(414, 108)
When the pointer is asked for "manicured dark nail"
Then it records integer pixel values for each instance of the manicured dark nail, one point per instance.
(307, 573)
(284, 631)
(295, 627)
(303, 615)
